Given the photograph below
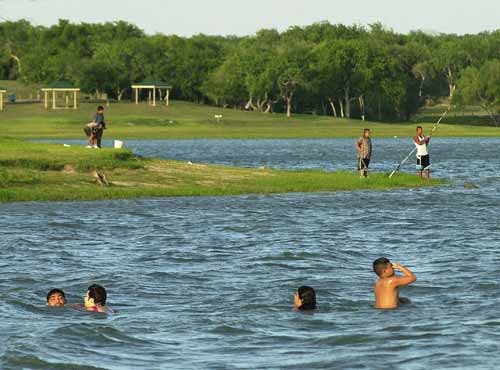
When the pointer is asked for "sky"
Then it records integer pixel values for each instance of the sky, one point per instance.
(245, 17)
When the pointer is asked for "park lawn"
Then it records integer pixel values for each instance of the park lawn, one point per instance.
(52, 172)
(183, 120)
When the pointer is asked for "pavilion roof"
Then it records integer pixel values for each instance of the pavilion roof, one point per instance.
(61, 84)
(152, 82)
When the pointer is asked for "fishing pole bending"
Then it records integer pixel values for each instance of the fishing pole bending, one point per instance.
(414, 149)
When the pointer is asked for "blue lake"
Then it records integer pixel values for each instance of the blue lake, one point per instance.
(208, 283)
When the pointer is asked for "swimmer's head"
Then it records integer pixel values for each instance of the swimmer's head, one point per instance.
(305, 298)
(383, 267)
(96, 295)
(56, 298)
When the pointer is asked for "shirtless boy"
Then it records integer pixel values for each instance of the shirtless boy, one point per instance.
(388, 283)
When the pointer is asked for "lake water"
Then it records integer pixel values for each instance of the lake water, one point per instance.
(208, 283)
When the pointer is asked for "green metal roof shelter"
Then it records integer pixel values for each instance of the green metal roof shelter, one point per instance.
(153, 86)
(63, 87)
(2, 93)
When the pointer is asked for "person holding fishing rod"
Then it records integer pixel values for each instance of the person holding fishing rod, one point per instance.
(421, 147)
(423, 159)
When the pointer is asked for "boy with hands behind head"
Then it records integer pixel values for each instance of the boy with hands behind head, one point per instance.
(388, 283)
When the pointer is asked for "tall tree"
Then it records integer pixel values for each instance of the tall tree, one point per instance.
(481, 86)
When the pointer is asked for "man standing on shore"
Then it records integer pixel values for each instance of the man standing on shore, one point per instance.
(364, 148)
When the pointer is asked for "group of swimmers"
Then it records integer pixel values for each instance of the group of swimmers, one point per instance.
(94, 300)
(386, 291)
(386, 287)
(364, 149)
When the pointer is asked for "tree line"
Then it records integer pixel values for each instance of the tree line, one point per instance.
(343, 71)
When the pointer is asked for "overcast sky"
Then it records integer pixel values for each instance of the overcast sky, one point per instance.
(243, 17)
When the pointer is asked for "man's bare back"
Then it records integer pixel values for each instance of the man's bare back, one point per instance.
(387, 286)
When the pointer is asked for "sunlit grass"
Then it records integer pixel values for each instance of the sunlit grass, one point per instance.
(48, 172)
(184, 120)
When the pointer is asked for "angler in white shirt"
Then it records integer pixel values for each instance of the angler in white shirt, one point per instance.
(423, 160)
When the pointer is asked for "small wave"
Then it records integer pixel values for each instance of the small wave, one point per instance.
(99, 334)
(34, 362)
(230, 330)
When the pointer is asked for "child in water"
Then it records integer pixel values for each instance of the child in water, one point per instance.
(305, 298)
(95, 299)
(56, 298)
(388, 283)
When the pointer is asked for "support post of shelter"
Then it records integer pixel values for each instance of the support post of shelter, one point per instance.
(68, 94)
(153, 88)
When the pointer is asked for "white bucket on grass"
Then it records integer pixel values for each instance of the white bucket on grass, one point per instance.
(118, 144)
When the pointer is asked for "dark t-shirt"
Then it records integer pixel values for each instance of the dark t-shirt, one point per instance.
(99, 118)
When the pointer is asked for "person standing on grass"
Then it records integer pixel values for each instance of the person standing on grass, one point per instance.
(97, 127)
(423, 158)
(364, 148)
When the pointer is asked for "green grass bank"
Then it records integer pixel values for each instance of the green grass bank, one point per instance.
(52, 172)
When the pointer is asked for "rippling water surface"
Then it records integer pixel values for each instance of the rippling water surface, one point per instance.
(207, 283)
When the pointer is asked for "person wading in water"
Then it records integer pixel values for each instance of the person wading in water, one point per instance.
(364, 148)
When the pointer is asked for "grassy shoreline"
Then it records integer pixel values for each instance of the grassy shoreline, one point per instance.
(52, 172)
(192, 121)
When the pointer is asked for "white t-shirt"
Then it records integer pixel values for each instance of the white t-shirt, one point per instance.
(421, 148)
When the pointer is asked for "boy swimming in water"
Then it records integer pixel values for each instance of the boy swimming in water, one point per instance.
(305, 298)
(95, 299)
(388, 283)
(56, 298)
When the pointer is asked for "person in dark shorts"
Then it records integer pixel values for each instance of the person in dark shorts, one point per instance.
(88, 132)
(94, 130)
(423, 159)
(364, 148)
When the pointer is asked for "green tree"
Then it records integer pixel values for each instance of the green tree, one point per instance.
(481, 86)
(226, 85)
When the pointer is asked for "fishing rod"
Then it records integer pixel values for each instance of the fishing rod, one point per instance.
(414, 149)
